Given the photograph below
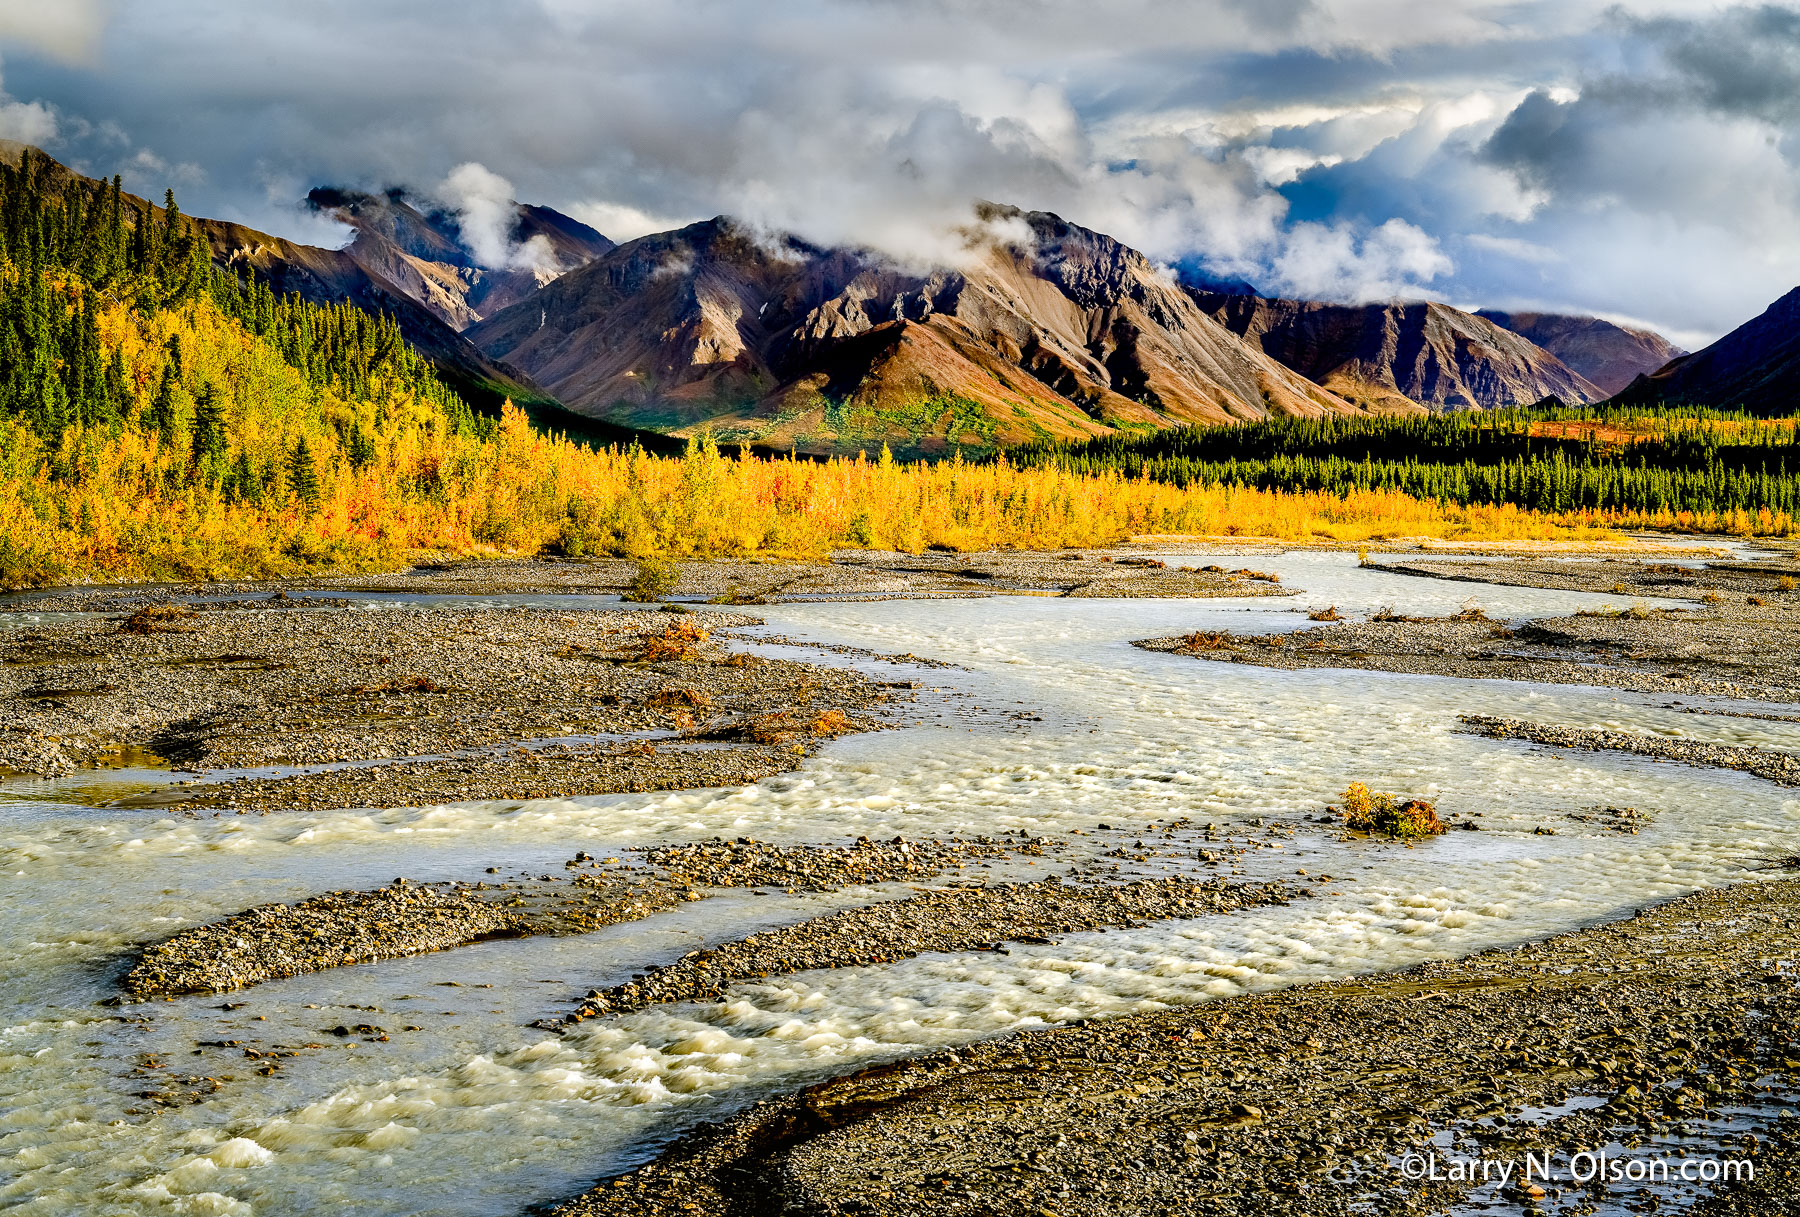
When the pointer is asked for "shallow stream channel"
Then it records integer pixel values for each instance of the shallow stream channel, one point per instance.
(1050, 723)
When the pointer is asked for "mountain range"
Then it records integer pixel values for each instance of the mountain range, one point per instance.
(1052, 331)
(1037, 329)
(1403, 356)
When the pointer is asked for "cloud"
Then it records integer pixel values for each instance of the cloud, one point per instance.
(488, 214)
(27, 122)
(621, 222)
(66, 29)
(1342, 146)
(1323, 262)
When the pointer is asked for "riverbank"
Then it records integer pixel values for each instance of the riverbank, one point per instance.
(853, 574)
(1671, 1030)
(419, 707)
(1742, 640)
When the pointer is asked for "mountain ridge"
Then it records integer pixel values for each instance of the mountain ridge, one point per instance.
(1609, 355)
(772, 339)
(425, 253)
(1755, 367)
(1402, 356)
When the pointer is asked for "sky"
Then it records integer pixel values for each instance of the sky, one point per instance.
(1639, 161)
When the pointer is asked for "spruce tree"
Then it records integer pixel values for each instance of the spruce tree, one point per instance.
(161, 415)
(209, 430)
(303, 478)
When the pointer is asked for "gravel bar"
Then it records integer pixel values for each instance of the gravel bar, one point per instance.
(415, 707)
(747, 862)
(947, 919)
(1736, 651)
(1766, 763)
(341, 928)
(1123, 571)
(405, 918)
(1675, 1028)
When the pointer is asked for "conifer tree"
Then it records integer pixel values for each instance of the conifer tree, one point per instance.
(161, 415)
(303, 477)
(209, 430)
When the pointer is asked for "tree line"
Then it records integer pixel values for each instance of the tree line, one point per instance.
(1635, 460)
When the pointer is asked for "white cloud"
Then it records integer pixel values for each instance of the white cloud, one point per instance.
(27, 122)
(621, 222)
(1334, 262)
(67, 29)
(485, 207)
(1340, 146)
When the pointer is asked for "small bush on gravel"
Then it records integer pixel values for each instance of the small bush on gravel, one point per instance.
(1328, 613)
(776, 728)
(678, 643)
(1198, 641)
(654, 580)
(158, 619)
(680, 699)
(1380, 814)
(830, 723)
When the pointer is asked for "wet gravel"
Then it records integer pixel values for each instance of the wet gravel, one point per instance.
(340, 928)
(1728, 650)
(946, 919)
(747, 862)
(406, 918)
(446, 695)
(1766, 763)
(1671, 1033)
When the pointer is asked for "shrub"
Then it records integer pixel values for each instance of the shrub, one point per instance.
(1786, 584)
(581, 534)
(1328, 613)
(680, 699)
(654, 580)
(1380, 814)
(776, 728)
(1198, 641)
(679, 643)
(829, 723)
(158, 619)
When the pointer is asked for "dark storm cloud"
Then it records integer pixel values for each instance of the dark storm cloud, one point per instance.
(1744, 62)
(1485, 149)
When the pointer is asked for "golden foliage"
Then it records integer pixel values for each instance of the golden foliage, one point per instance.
(128, 501)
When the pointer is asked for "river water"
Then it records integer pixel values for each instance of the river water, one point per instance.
(473, 1112)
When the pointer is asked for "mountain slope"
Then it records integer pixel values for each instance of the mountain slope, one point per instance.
(1053, 331)
(1611, 356)
(330, 276)
(425, 253)
(1755, 367)
(1401, 356)
(324, 276)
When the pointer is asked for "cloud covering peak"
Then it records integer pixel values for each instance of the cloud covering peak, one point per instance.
(1637, 161)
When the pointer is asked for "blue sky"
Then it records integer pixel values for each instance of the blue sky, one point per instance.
(1639, 161)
